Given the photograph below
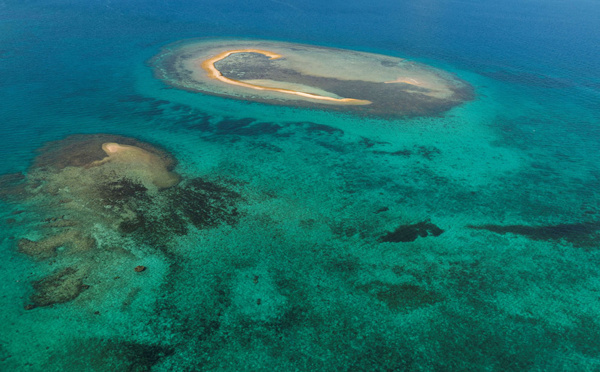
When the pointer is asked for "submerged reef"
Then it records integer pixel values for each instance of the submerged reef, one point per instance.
(401, 297)
(310, 76)
(45, 248)
(114, 157)
(118, 188)
(583, 234)
(410, 232)
(62, 286)
(247, 266)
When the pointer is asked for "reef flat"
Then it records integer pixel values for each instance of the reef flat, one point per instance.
(93, 200)
(310, 76)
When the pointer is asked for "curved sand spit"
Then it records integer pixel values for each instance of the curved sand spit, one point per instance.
(209, 66)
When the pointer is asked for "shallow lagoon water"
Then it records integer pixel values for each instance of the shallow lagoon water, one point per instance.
(493, 205)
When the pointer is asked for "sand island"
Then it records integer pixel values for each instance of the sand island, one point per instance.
(309, 76)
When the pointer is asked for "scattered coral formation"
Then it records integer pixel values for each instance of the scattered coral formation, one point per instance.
(117, 184)
(197, 202)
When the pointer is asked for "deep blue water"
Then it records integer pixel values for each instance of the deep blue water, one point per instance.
(302, 276)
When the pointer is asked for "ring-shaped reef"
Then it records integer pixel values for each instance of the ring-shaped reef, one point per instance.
(310, 76)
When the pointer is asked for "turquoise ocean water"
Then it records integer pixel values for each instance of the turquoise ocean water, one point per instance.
(495, 203)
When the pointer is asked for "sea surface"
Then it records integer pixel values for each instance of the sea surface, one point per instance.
(312, 240)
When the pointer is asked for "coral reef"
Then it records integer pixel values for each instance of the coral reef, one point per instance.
(12, 185)
(73, 240)
(401, 297)
(410, 232)
(118, 185)
(112, 354)
(583, 234)
(62, 286)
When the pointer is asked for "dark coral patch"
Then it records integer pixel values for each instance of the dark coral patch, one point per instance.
(206, 204)
(112, 354)
(246, 127)
(154, 228)
(198, 202)
(321, 129)
(427, 152)
(119, 191)
(584, 234)
(401, 297)
(409, 233)
(140, 357)
(62, 286)
(345, 266)
(12, 185)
